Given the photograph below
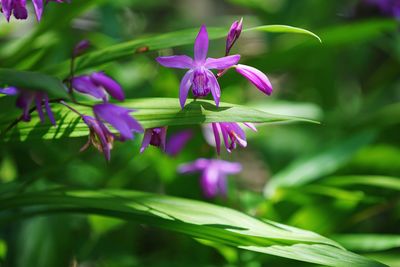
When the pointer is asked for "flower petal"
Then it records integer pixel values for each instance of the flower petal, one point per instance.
(19, 9)
(9, 90)
(111, 86)
(229, 167)
(146, 140)
(7, 7)
(38, 5)
(177, 141)
(210, 181)
(256, 77)
(198, 165)
(216, 129)
(215, 89)
(48, 109)
(201, 45)
(250, 125)
(222, 63)
(85, 85)
(38, 101)
(177, 62)
(186, 83)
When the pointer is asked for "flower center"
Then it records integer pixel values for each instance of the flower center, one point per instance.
(201, 83)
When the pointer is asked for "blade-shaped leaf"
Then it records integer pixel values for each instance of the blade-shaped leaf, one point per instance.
(368, 242)
(316, 166)
(392, 183)
(33, 81)
(195, 218)
(152, 112)
(153, 43)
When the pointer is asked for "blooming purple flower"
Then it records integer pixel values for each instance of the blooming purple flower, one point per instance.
(214, 172)
(25, 100)
(98, 85)
(100, 136)
(232, 134)
(155, 137)
(177, 141)
(233, 35)
(119, 118)
(199, 77)
(256, 77)
(18, 8)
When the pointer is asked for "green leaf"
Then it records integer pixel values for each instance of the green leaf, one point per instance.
(368, 242)
(152, 112)
(153, 43)
(316, 166)
(33, 81)
(195, 218)
(386, 182)
(283, 29)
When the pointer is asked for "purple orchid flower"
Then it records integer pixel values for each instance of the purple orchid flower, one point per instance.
(177, 141)
(155, 137)
(18, 8)
(119, 118)
(199, 77)
(100, 136)
(25, 100)
(233, 35)
(98, 85)
(232, 134)
(214, 172)
(256, 77)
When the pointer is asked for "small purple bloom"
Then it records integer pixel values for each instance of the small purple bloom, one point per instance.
(100, 137)
(177, 141)
(119, 118)
(256, 77)
(232, 134)
(18, 8)
(199, 77)
(98, 85)
(81, 47)
(155, 137)
(233, 35)
(25, 100)
(214, 172)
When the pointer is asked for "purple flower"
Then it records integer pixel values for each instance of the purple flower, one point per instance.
(100, 136)
(199, 77)
(18, 8)
(233, 35)
(232, 134)
(155, 137)
(81, 47)
(98, 85)
(177, 141)
(119, 118)
(256, 77)
(25, 100)
(214, 172)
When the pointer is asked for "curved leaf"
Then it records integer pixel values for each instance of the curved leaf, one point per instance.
(284, 29)
(368, 242)
(30, 80)
(152, 112)
(195, 218)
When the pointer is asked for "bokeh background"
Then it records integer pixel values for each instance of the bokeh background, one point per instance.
(339, 178)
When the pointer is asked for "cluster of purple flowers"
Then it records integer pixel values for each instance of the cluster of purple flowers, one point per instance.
(199, 78)
(19, 10)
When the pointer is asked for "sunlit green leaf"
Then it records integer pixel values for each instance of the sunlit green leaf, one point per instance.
(368, 242)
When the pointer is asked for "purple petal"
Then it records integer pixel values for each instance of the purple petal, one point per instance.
(233, 34)
(38, 5)
(256, 77)
(250, 125)
(101, 131)
(9, 91)
(48, 109)
(146, 140)
(186, 82)
(201, 45)
(229, 167)
(239, 134)
(177, 141)
(85, 85)
(178, 62)
(81, 47)
(111, 86)
(24, 102)
(38, 100)
(215, 89)
(198, 165)
(222, 63)
(19, 9)
(210, 181)
(215, 128)
(7, 6)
